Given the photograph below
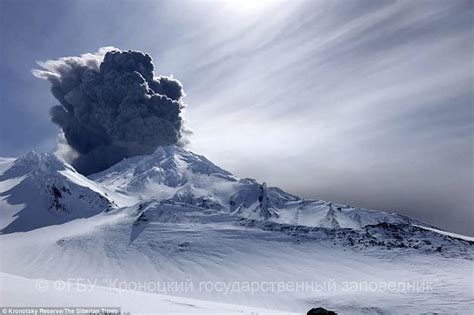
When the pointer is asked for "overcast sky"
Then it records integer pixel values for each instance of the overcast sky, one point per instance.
(367, 103)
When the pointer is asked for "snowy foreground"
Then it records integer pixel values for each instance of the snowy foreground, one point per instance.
(19, 291)
(172, 233)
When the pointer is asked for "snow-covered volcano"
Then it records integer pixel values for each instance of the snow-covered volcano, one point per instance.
(39, 190)
(175, 216)
(174, 174)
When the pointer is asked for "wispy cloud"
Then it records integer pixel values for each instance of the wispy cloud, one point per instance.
(363, 102)
(371, 106)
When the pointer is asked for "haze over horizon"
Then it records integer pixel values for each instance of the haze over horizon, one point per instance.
(364, 103)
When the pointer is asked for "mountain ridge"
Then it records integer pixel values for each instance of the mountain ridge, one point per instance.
(174, 216)
(177, 178)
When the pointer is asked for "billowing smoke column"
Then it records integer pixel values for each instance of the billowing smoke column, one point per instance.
(111, 107)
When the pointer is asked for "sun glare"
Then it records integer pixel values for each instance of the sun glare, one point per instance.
(250, 6)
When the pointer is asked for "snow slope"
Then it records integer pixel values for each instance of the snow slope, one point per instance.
(14, 291)
(174, 217)
(185, 245)
(176, 174)
(454, 235)
(39, 190)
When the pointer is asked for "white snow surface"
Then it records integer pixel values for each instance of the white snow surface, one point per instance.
(174, 173)
(136, 232)
(454, 235)
(47, 292)
(38, 190)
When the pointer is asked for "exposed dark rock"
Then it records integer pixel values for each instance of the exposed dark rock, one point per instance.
(184, 245)
(385, 236)
(320, 311)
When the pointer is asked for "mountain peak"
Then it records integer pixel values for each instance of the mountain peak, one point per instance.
(184, 184)
(186, 159)
(34, 162)
(161, 173)
(39, 190)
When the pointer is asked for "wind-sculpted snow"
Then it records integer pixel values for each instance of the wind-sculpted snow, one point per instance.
(385, 236)
(171, 242)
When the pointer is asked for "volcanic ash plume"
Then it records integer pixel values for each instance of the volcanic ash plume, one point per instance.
(111, 107)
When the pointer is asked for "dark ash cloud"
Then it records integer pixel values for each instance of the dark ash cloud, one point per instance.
(112, 106)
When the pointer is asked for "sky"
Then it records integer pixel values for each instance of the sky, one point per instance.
(367, 103)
